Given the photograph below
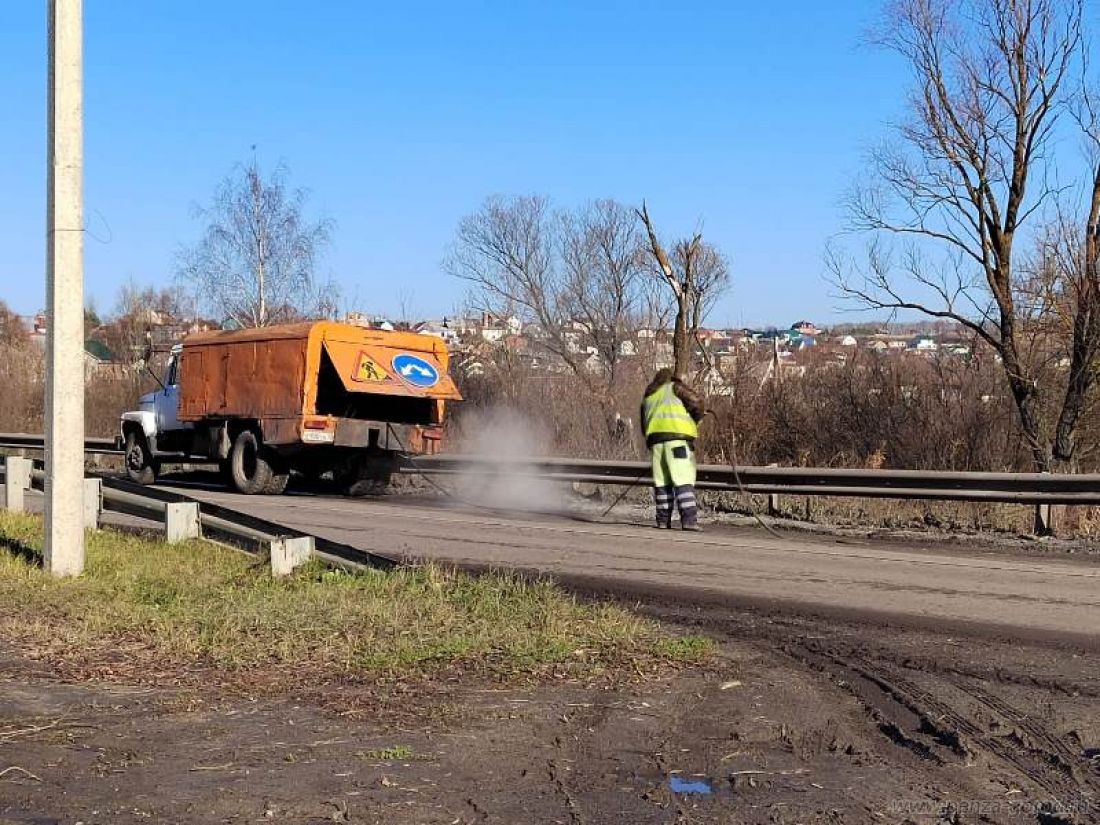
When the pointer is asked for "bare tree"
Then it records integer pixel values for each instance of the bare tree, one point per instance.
(12, 331)
(255, 262)
(602, 257)
(150, 304)
(576, 276)
(406, 311)
(696, 274)
(137, 310)
(1072, 287)
(971, 171)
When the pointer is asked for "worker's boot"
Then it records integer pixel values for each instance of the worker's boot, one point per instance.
(663, 497)
(688, 507)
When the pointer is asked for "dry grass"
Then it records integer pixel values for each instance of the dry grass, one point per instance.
(148, 612)
(950, 518)
(890, 514)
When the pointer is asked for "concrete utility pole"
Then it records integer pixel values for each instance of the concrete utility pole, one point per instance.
(65, 292)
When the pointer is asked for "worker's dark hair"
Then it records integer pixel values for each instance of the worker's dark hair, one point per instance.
(662, 377)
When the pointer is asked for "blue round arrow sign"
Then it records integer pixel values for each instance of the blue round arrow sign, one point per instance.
(415, 371)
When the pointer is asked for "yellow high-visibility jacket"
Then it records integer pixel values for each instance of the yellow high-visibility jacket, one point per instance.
(664, 416)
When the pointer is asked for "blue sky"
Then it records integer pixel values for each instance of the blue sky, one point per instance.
(400, 118)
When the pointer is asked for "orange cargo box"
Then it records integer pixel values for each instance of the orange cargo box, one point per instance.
(287, 377)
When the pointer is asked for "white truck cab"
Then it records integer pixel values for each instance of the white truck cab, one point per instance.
(154, 430)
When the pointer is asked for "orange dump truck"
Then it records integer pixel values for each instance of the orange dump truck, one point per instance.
(311, 398)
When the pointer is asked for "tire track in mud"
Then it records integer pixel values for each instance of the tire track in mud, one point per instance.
(936, 731)
(1051, 748)
(900, 721)
(946, 723)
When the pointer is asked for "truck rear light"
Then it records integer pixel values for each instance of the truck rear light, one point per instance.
(319, 424)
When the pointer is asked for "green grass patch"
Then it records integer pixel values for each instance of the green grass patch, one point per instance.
(396, 753)
(147, 611)
(686, 648)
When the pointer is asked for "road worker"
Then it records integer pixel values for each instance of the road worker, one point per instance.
(670, 417)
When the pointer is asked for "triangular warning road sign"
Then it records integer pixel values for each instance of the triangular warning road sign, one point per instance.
(367, 369)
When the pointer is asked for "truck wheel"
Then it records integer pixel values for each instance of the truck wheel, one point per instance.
(248, 466)
(278, 484)
(280, 476)
(365, 477)
(366, 487)
(140, 467)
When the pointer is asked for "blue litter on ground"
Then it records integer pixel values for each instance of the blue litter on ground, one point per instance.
(680, 785)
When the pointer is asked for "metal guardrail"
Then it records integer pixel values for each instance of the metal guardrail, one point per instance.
(1039, 489)
(218, 520)
(29, 441)
(1012, 488)
(214, 520)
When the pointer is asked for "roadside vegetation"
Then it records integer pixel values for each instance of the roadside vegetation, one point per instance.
(200, 613)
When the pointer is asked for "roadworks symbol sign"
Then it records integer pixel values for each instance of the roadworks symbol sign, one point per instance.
(367, 369)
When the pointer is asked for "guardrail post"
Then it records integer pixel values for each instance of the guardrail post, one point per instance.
(181, 521)
(17, 478)
(1044, 519)
(773, 500)
(287, 554)
(93, 502)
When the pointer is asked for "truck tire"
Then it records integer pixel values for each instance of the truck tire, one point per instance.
(249, 468)
(365, 476)
(280, 476)
(366, 487)
(140, 466)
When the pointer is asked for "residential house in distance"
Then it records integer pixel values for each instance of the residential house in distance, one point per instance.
(36, 328)
(485, 327)
(924, 345)
(707, 337)
(440, 329)
(171, 332)
(465, 327)
(886, 342)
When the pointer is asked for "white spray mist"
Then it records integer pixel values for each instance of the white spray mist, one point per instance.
(506, 445)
